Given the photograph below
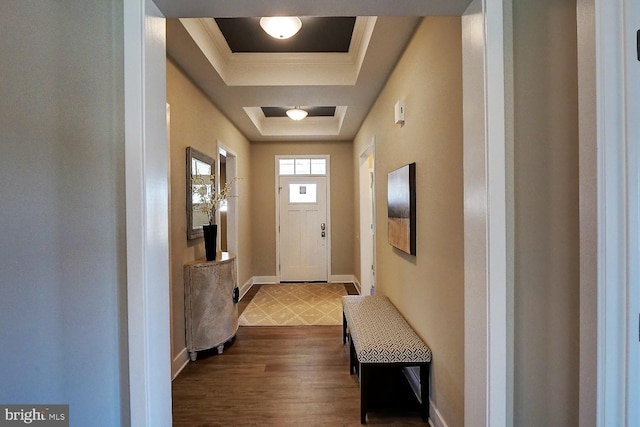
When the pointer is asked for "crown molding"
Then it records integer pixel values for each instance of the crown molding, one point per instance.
(284, 126)
(281, 69)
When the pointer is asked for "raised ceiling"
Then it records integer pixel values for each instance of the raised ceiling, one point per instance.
(317, 35)
(253, 79)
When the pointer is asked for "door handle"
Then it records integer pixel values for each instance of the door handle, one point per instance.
(322, 226)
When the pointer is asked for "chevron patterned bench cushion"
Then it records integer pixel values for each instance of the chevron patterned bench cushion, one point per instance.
(379, 332)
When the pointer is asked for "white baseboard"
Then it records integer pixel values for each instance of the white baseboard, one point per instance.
(357, 285)
(269, 280)
(245, 288)
(342, 278)
(178, 363)
(435, 417)
(264, 280)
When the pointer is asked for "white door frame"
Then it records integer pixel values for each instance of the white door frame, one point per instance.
(148, 375)
(232, 202)
(488, 178)
(277, 201)
(631, 51)
(496, 401)
(618, 163)
(148, 328)
(367, 214)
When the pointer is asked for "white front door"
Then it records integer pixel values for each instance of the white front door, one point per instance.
(303, 229)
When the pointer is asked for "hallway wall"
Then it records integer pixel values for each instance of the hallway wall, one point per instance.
(428, 289)
(263, 199)
(196, 122)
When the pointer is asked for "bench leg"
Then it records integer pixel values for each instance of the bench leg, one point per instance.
(364, 392)
(344, 329)
(424, 391)
(352, 358)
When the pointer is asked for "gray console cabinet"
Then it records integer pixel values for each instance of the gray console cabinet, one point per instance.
(211, 314)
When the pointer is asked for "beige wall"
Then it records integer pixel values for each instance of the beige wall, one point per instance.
(546, 250)
(427, 288)
(196, 122)
(263, 199)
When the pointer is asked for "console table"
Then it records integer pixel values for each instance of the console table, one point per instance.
(210, 296)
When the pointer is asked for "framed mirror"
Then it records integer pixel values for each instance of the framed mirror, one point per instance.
(201, 172)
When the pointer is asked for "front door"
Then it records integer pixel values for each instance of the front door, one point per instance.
(303, 229)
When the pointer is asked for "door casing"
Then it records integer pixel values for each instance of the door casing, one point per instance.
(367, 219)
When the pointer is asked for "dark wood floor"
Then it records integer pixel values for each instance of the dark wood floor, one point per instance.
(276, 376)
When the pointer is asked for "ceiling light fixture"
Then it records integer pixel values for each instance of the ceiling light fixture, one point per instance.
(281, 27)
(296, 113)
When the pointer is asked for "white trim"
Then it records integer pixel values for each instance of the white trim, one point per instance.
(232, 203)
(246, 287)
(147, 220)
(270, 280)
(617, 166)
(496, 137)
(475, 230)
(272, 69)
(488, 363)
(367, 216)
(342, 278)
(632, 142)
(357, 285)
(412, 374)
(435, 417)
(179, 363)
(264, 280)
(284, 126)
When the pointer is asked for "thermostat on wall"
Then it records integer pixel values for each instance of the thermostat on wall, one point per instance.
(399, 112)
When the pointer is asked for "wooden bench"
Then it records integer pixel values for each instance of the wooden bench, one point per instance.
(379, 336)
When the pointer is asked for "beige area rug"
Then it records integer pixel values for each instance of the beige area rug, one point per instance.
(295, 305)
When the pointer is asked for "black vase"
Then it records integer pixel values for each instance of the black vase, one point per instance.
(210, 240)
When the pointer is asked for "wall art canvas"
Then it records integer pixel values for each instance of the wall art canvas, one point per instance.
(401, 208)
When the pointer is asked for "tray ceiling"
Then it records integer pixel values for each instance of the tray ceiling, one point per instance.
(339, 60)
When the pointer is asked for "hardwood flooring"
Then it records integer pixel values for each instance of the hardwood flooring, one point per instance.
(276, 376)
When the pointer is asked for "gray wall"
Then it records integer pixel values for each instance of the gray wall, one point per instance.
(62, 250)
(546, 250)
(588, 211)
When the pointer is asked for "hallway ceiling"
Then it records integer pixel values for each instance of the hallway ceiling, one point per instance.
(253, 79)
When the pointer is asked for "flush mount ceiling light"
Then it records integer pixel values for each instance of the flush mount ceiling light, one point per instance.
(296, 113)
(281, 27)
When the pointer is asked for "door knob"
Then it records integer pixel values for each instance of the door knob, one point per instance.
(322, 227)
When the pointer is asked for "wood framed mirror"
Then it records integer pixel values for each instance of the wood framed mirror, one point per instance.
(201, 171)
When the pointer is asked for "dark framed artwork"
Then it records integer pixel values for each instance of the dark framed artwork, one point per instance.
(401, 208)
